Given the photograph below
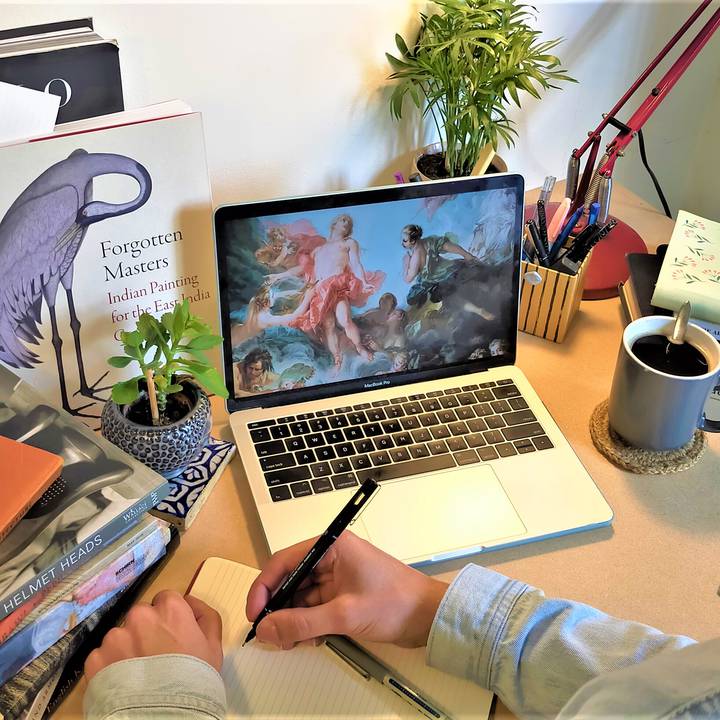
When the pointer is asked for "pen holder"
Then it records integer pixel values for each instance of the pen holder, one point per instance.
(548, 308)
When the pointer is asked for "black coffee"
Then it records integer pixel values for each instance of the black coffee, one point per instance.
(660, 354)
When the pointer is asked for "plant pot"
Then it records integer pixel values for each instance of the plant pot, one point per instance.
(167, 449)
(497, 165)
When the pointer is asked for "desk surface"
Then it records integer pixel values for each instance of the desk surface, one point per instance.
(657, 563)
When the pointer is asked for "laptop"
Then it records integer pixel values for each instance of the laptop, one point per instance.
(373, 334)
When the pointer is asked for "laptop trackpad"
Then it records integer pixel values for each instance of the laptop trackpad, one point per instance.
(441, 514)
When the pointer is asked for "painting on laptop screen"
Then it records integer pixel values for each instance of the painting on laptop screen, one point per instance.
(368, 290)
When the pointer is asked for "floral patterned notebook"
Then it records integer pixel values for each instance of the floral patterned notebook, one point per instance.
(190, 490)
(691, 269)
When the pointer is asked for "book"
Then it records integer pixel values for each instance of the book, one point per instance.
(120, 207)
(19, 692)
(26, 644)
(190, 490)
(68, 59)
(100, 494)
(263, 681)
(637, 291)
(92, 569)
(73, 669)
(27, 473)
(51, 670)
(691, 268)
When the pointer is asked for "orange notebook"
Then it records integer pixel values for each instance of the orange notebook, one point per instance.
(26, 472)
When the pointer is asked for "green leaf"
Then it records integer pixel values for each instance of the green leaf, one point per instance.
(180, 317)
(133, 339)
(173, 389)
(119, 361)
(212, 382)
(204, 342)
(150, 328)
(167, 321)
(124, 393)
(400, 44)
(193, 367)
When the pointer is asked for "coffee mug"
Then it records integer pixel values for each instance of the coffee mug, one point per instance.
(656, 410)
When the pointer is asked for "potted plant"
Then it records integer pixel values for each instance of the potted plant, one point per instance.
(471, 59)
(162, 415)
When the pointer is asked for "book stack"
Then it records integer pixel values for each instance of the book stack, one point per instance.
(688, 268)
(77, 556)
(68, 59)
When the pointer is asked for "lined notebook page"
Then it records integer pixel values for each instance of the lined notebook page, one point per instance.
(312, 682)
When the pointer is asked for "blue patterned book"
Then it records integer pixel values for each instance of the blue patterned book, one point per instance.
(190, 490)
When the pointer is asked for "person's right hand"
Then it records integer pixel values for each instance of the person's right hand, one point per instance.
(355, 590)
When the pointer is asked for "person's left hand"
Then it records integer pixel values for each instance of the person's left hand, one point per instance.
(172, 624)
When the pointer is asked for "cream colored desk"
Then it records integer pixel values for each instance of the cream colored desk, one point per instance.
(658, 563)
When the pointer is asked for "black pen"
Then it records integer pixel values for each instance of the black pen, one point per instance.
(292, 582)
(542, 225)
(539, 247)
(573, 259)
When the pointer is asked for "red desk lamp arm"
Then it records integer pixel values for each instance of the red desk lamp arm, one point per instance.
(588, 190)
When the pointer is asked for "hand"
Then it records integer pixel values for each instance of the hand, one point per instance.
(172, 624)
(355, 590)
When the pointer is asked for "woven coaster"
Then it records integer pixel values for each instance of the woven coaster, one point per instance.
(636, 460)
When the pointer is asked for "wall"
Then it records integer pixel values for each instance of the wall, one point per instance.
(294, 94)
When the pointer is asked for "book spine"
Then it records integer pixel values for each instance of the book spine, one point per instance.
(17, 694)
(82, 552)
(23, 647)
(74, 666)
(109, 571)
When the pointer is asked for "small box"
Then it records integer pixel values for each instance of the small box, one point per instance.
(547, 309)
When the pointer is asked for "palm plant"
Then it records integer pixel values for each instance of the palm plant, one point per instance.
(470, 61)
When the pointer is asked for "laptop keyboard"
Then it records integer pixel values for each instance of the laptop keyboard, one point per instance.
(327, 450)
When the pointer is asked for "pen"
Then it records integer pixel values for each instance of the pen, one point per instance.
(585, 242)
(346, 516)
(539, 247)
(594, 212)
(558, 218)
(564, 233)
(545, 193)
(370, 667)
(542, 224)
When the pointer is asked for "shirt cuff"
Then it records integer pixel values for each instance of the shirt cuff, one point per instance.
(168, 682)
(470, 622)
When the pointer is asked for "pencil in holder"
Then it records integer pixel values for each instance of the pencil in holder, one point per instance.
(548, 308)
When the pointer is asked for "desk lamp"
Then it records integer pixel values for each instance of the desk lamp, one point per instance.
(607, 266)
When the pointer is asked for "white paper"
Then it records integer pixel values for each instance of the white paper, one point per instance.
(25, 113)
(312, 683)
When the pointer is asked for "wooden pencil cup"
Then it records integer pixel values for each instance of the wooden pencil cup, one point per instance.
(547, 309)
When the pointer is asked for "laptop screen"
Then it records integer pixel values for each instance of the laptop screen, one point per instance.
(336, 293)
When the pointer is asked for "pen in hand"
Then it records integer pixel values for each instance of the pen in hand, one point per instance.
(293, 581)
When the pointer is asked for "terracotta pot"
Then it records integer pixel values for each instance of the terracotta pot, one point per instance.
(167, 449)
(497, 164)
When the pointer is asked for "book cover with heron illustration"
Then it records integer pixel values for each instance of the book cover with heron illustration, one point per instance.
(100, 494)
(97, 227)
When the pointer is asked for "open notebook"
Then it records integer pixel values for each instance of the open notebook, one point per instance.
(312, 682)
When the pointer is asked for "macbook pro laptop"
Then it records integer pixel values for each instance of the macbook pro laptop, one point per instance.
(373, 334)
